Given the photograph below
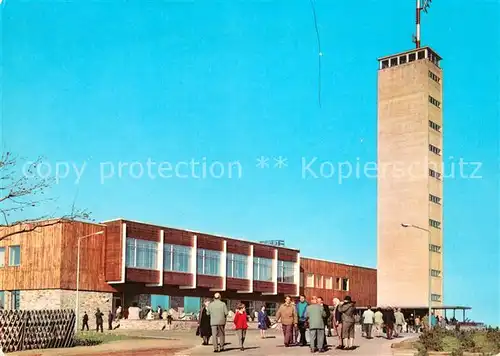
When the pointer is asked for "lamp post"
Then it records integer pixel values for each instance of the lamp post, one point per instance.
(429, 268)
(77, 305)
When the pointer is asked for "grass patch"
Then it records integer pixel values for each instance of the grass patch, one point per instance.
(92, 338)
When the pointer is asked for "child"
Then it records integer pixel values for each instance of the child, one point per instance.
(240, 324)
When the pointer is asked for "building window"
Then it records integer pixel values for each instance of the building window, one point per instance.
(434, 102)
(434, 174)
(434, 223)
(402, 59)
(141, 254)
(345, 284)
(262, 269)
(329, 282)
(301, 279)
(209, 262)
(435, 273)
(434, 77)
(436, 297)
(394, 61)
(421, 54)
(177, 258)
(434, 149)
(2, 299)
(412, 57)
(286, 272)
(434, 126)
(14, 255)
(15, 299)
(338, 283)
(2, 256)
(237, 266)
(434, 199)
(310, 280)
(385, 64)
(435, 248)
(319, 282)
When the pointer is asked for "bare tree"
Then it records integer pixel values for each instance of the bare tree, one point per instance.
(21, 190)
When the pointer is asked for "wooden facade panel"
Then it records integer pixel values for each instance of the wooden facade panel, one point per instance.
(143, 231)
(285, 288)
(113, 251)
(210, 242)
(142, 275)
(263, 287)
(177, 279)
(238, 284)
(40, 266)
(208, 281)
(263, 251)
(177, 237)
(287, 255)
(92, 257)
(239, 247)
(362, 281)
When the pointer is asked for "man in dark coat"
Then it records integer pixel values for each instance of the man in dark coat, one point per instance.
(85, 321)
(389, 320)
(99, 321)
(110, 320)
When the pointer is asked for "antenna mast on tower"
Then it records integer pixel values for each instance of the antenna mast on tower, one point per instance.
(426, 5)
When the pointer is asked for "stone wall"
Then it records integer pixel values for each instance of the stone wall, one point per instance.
(63, 299)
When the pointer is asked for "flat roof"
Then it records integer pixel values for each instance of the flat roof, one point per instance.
(337, 263)
(410, 51)
(204, 233)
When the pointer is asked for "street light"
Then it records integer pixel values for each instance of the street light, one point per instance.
(429, 268)
(77, 306)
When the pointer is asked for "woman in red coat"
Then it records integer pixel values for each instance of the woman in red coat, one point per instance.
(240, 324)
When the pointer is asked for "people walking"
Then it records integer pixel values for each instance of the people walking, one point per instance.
(85, 321)
(325, 320)
(302, 319)
(315, 314)
(217, 310)
(264, 322)
(288, 317)
(368, 318)
(337, 322)
(400, 320)
(204, 327)
(389, 321)
(410, 326)
(99, 321)
(378, 322)
(241, 324)
(348, 309)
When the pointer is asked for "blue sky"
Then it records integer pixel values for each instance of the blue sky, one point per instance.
(116, 81)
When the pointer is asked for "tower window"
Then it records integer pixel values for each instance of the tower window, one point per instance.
(434, 149)
(385, 64)
(434, 223)
(435, 248)
(435, 199)
(435, 273)
(411, 57)
(394, 61)
(434, 102)
(436, 297)
(434, 126)
(402, 60)
(421, 54)
(434, 77)
(434, 174)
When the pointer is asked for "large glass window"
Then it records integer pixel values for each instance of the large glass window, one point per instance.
(14, 255)
(286, 272)
(2, 256)
(262, 269)
(141, 254)
(15, 299)
(237, 266)
(177, 258)
(208, 262)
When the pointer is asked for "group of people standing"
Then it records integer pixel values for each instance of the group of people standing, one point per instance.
(316, 316)
(392, 320)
